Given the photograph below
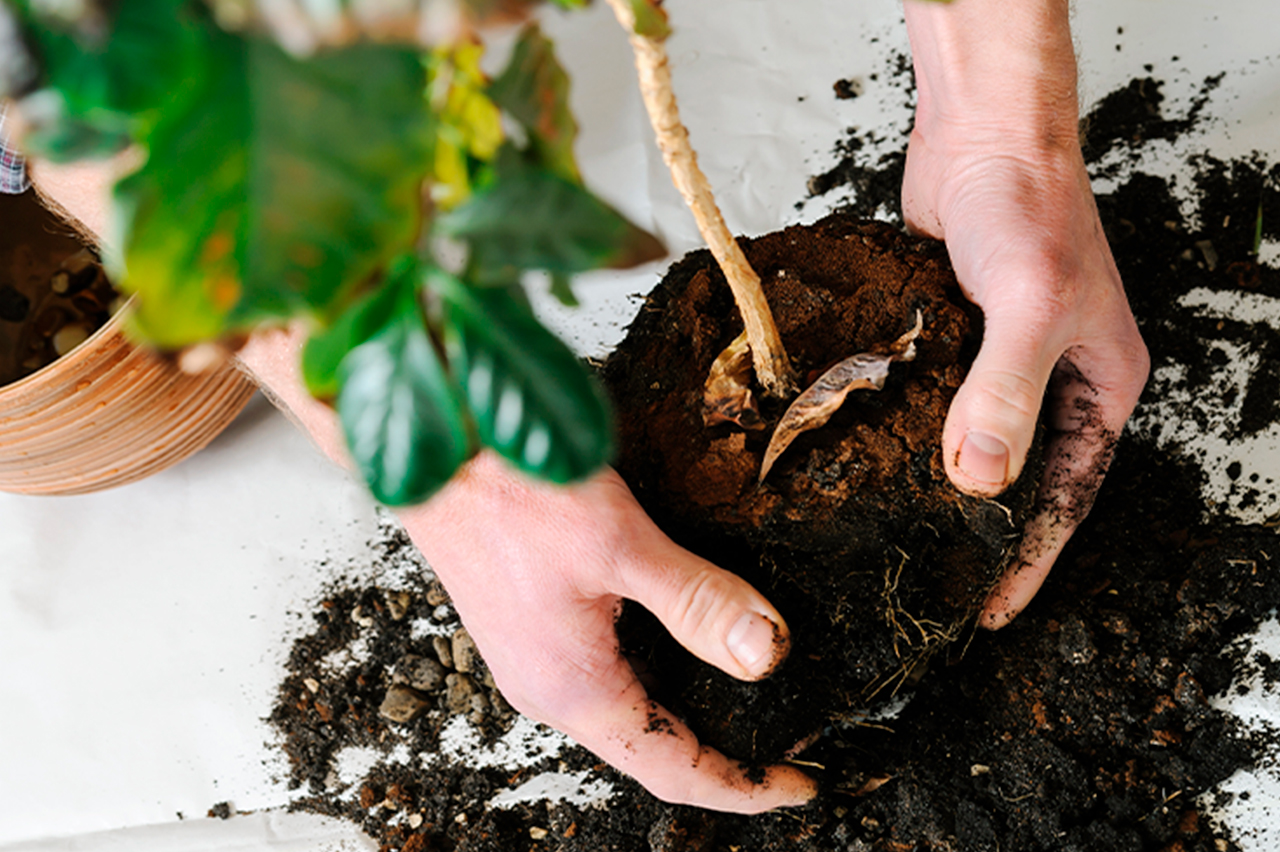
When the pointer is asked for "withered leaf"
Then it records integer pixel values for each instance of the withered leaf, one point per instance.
(726, 396)
(875, 782)
(814, 407)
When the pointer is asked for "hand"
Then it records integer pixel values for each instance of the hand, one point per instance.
(994, 168)
(538, 574)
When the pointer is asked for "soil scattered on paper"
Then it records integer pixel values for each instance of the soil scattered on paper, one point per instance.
(1085, 726)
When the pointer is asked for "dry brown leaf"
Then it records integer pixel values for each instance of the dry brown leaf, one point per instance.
(873, 783)
(814, 407)
(727, 397)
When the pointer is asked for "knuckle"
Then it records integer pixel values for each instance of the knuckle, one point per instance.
(1009, 396)
(697, 601)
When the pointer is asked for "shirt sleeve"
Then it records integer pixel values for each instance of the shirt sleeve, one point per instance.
(13, 168)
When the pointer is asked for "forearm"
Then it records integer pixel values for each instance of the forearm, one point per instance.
(1004, 70)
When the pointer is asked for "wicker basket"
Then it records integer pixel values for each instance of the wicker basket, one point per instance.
(109, 413)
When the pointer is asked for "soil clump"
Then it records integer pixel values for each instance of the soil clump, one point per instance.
(856, 532)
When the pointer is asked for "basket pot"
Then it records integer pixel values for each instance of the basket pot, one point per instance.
(109, 413)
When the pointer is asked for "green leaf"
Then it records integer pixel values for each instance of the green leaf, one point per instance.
(325, 350)
(534, 90)
(562, 289)
(651, 19)
(560, 227)
(104, 90)
(403, 417)
(278, 188)
(532, 399)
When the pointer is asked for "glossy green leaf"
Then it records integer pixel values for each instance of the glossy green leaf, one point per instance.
(278, 188)
(106, 85)
(560, 227)
(402, 415)
(531, 398)
(534, 90)
(325, 350)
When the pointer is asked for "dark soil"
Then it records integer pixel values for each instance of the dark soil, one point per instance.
(53, 293)
(857, 532)
(1083, 727)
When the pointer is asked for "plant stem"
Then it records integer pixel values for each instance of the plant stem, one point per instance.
(772, 366)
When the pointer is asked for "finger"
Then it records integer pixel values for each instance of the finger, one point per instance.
(716, 615)
(992, 420)
(1085, 427)
(641, 738)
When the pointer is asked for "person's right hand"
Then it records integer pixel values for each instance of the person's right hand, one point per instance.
(538, 574)
(994, 168)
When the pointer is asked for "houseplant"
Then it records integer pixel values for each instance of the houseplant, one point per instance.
(386, 309)
(329, 183)
(82, 408)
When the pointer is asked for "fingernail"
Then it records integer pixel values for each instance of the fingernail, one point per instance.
(984, 458)
(751, 641)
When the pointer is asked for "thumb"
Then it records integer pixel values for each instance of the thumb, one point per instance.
(716, 615)
(992, 420)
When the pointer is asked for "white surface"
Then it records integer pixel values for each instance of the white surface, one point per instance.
(142, 630)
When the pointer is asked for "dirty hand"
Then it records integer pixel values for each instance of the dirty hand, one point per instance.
(994, 168)
(538, 573)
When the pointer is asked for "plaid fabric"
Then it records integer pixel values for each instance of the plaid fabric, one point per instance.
(13, 169)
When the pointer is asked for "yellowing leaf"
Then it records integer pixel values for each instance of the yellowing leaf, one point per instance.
(450, 183)
(727, 397)
(468, 122)
(814, 407)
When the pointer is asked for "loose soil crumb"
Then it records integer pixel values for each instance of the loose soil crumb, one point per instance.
(1085, 726)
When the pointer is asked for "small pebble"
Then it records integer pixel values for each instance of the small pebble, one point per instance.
(444, 650)
(537, 833)
(402, 704)
(436, 595)
(359, 617)
(312, 685)
(422, 673)
(499, 705)
(461, 688)
(479, 709)
(415, 820)
(979, 769)
(69, 337)
(465, 655)
(398, 604)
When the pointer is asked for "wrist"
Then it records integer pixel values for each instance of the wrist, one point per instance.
(994, 73)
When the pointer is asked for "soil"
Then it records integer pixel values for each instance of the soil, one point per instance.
(856, 533)
(53, 293)
(1084, 726)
